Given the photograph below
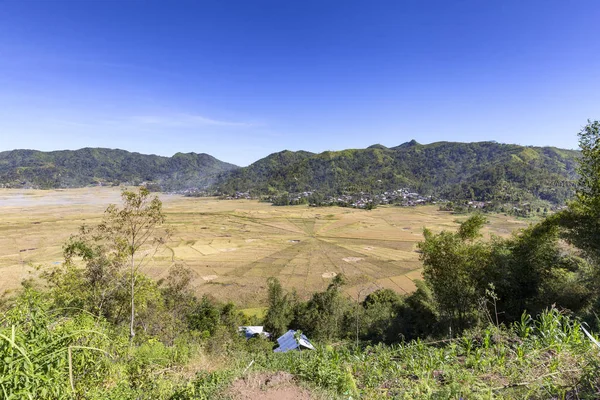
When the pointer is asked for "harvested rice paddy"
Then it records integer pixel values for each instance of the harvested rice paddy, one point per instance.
(233, 246)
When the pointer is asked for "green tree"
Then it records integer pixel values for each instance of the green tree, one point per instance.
(280, 311)
(133, 229)
(453, 266)
(582, 218)
(532, 270)
(417, 316)
(113, 253)
(380, 309)
(205, 317)
(470, 229)
(323, 316)
(178, 298)
(580, 222)
(588, 189)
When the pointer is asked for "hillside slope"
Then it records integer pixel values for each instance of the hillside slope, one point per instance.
(67, 168)
(479, 171)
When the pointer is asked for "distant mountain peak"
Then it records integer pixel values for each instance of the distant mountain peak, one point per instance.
(412, 143)
(377, 146)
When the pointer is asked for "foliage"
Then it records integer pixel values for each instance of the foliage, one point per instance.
(535, 358)
(485, 171)
(453, 265)
(93, 166)
(588, 187)
(533, 270)
(548, 357)
(325, 315)
(177, 292)
(46, 357)
(113, 253)
(529, 271)
(469, 229)
(281, 309)
(380, 310)
(417, 317)
(581, 221)
(475, 303)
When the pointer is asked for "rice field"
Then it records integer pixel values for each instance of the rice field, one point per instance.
(233, 246)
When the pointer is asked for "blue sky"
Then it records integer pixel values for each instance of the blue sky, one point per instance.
(242, 79)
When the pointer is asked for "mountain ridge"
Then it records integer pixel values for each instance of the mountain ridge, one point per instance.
(482, 171)
(97, 165)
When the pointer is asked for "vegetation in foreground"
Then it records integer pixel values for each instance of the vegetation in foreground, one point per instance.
(98, 328)
(46, 357)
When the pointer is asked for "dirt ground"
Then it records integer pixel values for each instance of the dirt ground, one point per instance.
(268, 386)
(233, 246)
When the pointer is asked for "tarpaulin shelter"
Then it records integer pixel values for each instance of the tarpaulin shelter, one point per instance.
(251, 331)
(293, 340)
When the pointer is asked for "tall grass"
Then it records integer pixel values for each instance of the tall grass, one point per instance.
(549, 357)
(49, 357)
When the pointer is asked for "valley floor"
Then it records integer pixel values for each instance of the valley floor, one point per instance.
(233, 246)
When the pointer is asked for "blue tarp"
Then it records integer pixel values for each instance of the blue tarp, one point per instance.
(293, 341)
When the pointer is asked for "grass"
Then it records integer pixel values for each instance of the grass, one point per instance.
(546, 357)
(47, 356)
(234, 246)
(258, 312)
(549, 357)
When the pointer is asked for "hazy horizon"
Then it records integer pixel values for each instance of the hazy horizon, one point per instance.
(241, 80)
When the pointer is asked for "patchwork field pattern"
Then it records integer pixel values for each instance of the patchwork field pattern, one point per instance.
(234, 246)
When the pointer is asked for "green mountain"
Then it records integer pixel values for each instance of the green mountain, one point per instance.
(482, 171)
(62, 169)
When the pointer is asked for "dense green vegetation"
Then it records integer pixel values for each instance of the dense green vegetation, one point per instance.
(91, 166)
(492, 318)
(484, 171)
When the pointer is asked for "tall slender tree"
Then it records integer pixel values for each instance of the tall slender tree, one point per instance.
(114, 251)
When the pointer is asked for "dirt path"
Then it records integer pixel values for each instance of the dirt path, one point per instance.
(268, 386)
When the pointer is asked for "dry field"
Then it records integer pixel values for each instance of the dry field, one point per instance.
(234, 246)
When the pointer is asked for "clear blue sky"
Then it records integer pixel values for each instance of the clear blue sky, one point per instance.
(242, 79)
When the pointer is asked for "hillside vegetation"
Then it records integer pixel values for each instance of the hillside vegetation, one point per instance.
(499, 317)
(483, 171)
(89, 166)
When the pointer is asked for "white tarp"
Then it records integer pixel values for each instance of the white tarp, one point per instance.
(250, 331)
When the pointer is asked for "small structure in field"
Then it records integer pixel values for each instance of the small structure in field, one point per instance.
(293, 340)
(251, 331)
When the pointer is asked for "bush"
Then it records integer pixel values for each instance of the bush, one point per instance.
(47, 357)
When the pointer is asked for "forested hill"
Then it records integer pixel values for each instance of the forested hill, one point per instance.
(62, 169)
(480, 171)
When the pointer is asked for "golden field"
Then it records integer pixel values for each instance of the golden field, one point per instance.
(233, 246)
